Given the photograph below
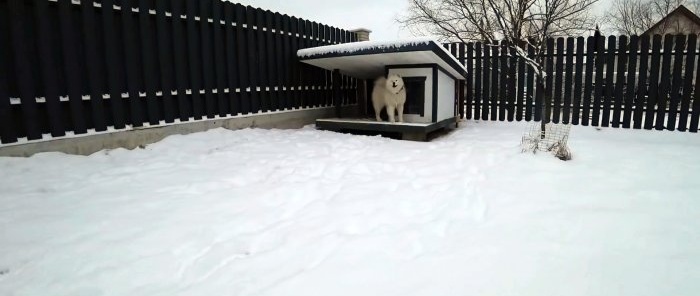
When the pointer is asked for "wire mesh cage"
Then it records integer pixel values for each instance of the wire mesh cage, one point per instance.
(553, 139)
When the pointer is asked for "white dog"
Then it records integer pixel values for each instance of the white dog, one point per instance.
(390, 93)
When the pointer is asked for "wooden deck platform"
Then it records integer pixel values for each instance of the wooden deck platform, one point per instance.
(405, 131)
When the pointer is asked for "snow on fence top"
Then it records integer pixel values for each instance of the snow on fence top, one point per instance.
(375, 47)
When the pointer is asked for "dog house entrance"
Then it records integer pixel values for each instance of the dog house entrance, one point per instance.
(415, 95)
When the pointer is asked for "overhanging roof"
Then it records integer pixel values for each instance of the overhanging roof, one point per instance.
(367, 59)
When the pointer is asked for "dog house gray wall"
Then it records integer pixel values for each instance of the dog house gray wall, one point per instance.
(446, 96)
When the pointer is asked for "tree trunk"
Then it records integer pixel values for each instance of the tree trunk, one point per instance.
(545, 108)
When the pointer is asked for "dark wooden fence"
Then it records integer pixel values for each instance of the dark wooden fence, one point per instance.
(619, 81)
(81, 66)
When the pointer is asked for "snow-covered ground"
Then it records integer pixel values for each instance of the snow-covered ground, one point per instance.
(305, 212)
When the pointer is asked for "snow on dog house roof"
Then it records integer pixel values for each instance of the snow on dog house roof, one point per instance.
(367, 59)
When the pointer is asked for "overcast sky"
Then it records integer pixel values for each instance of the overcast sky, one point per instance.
(377, 15)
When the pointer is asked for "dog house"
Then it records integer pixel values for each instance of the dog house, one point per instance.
(430, 75)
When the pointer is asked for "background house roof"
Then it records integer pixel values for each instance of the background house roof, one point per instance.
(682, 10)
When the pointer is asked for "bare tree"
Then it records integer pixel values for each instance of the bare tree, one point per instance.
(631, 17)
(634, 17)
(522, 24)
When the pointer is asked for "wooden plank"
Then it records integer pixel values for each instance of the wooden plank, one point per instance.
(653, 82)
(695, 115)
(306, 76)
(323, 33)
(459, 92)
(530, 94)
(294, 63)
(206, 54)
(310, 73)
(347, 78)
(114, 70)
(287, 95)
(322, 73)
(337, 100)
(317, 76)
(341, 39)
(487, 65)
(304, 69)
(93, 64)
(287, 64)
(328, 96)
(598, 92)
(8, 132)
(329, 75)
(165, 60)
(232, 69)
(272, 62)
(254, 60)
(588, 84)
(351, 88)
(148, 58)
(132, 63)
(478, 74)
(253, 103)
(195, 62)
(279, 61)
(578, 81)
(640, 98)
(512, 83)
(503, 81)
(344, 78)
(495, 83)
(49, 72)
(181, 68)
(261, 67)
(631, 80)
(675, 96)
(220, 64)
(322, 78)
(620, 81)
(521, 89)
(568, 78)
(687, 82)
(71, 67)
(549, 86)
(609, 80)
(559, 80)
(312, 29)
(242, 58)
(664, 82)
(466, 112)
